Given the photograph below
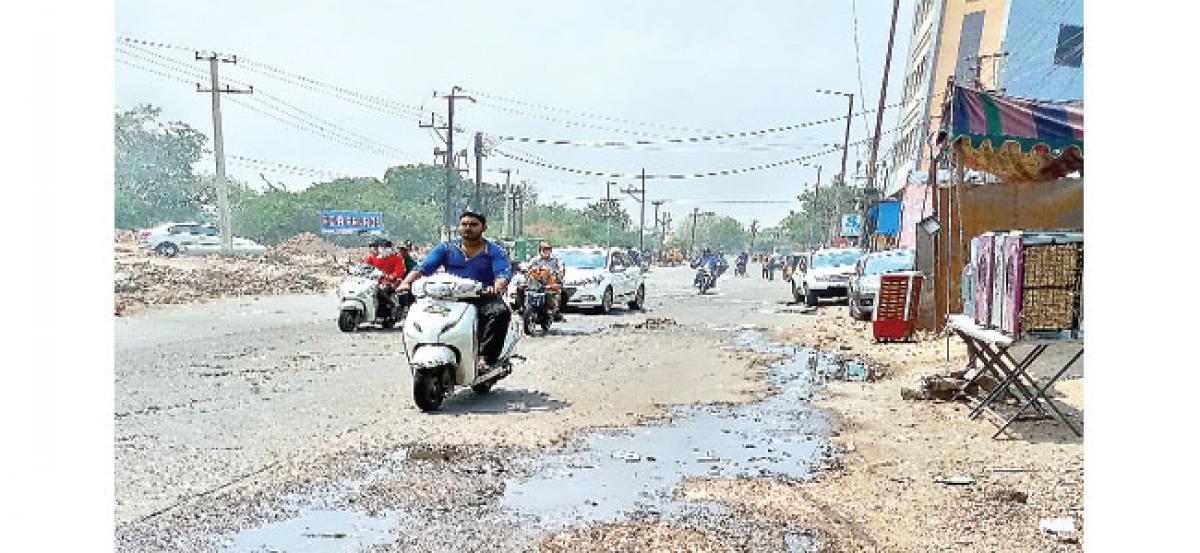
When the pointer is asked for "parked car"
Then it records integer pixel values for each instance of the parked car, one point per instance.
(599, 278)
(860, 296)
(823, 273)
(171, 239)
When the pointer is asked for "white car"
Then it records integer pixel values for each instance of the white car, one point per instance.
(864, 283)
(823, 273)
(598, 278)
(171, 239)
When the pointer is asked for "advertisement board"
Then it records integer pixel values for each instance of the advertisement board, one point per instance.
(851, 225)
(351, 222)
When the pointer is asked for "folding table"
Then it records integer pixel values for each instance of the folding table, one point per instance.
(989, 356)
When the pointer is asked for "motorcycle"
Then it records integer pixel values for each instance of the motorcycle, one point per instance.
(359, 295)
(703, 280)
(740, 269)
(534, 287)
(441, 343)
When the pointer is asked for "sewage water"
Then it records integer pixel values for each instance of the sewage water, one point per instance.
(318, 531)
(607, 475)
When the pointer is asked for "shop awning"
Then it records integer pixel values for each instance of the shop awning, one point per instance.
(1016, 139)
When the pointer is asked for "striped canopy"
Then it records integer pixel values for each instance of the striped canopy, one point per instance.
(1013, 138)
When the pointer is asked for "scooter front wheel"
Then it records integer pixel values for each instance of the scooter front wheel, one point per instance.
(427, 390)
(348, 320)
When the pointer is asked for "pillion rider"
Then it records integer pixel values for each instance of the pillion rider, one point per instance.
(474, 257)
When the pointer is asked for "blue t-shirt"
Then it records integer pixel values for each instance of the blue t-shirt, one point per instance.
(485, 267)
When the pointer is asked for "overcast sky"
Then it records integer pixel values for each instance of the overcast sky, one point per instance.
(674, 65)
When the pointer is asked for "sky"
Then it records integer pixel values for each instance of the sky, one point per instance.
(572, 71)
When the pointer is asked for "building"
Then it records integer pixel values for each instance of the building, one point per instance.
(1031, 48)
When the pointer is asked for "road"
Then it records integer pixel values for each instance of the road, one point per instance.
(236, 416)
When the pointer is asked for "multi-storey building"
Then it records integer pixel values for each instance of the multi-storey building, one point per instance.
(1031, 48)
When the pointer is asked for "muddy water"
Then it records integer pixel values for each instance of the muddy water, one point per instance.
(606, 475)
(611, 475)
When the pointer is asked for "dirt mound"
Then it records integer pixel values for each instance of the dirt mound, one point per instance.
(310, 244)
(153, 281)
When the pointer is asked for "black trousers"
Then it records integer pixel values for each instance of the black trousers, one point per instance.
(494, 317)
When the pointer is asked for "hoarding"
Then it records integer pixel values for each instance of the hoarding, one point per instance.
(351, 222)
(851, 225)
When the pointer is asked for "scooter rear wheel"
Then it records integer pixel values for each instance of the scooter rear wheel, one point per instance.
(483, 388)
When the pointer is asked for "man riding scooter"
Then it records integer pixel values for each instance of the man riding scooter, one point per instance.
(474, 257)
(382, 257)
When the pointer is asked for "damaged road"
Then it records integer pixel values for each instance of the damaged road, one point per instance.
(243, 423)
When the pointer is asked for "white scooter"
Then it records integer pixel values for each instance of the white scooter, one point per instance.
(442, 344)
(360, 300)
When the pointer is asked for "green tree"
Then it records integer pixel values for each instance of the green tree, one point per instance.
(716, 232)
(153, 172)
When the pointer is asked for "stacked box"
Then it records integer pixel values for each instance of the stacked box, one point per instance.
(1051, 298)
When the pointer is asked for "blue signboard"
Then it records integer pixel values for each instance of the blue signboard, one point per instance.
(351, 222)
(851, 225)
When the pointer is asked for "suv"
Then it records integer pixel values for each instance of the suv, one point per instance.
(823, 273)
(864, 283)
(170, 239)
(597, 278)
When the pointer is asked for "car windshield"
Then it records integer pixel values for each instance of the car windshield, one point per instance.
(833, 259)
(579, 259)
(889, 263)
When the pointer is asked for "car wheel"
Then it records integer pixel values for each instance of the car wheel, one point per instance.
(639, 299)
(607, 301)
(167, 249)
(810, 297)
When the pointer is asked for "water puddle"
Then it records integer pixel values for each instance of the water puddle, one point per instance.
(609, 475)
(318, 532)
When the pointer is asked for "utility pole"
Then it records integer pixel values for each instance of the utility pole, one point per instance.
(447, 214)
(225, 219)
(478, 170)
(609, 202)
(849, 116)
(753, 233)
(657, 204)
(505, 196)
(887, 65)
(642, 201)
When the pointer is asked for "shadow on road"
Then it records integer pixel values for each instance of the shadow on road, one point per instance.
(501, 400)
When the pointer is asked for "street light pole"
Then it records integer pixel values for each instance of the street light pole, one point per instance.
(849, 117)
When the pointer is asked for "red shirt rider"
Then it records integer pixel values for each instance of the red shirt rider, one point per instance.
(386, 260)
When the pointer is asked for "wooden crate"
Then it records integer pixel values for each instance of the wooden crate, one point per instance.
(1051, 284)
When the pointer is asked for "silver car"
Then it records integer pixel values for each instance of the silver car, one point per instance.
(864, 283)
(172, 239)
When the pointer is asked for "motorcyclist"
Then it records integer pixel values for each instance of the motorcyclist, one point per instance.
(410, 262)
(709, 262)
(557, 275)
(474, 257)
(742, 260)
(722, 264)
(382, 257)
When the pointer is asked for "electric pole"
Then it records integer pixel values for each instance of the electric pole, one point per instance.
(695, 215)
(887, 65)
(657, 204)
(505, 196)
(641, 200)
(849, 117)
(478, 170)
(224, 218)
(447, 214)
(753, 233)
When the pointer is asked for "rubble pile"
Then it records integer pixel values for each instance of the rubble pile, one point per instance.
(309, 244)
(303, 264)
(149, 283)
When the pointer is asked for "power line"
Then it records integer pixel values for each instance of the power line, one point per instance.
(570, 123)
(682, 140)
(300, 118)
(586, 114)
(682, 176)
